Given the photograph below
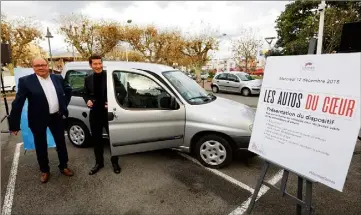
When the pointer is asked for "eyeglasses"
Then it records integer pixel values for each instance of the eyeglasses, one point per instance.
(40, 65)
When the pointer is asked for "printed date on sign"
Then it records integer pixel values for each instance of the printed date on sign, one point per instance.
(309, 80)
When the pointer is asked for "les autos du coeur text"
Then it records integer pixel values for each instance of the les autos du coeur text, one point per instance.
(334, 106)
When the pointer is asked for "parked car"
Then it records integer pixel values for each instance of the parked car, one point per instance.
(236, 81)
(154, 107)
(9, 83)
(204, 75)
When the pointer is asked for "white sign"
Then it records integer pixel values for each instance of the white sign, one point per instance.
(308, 115)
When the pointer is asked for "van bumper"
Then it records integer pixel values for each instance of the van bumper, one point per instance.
(242, 142)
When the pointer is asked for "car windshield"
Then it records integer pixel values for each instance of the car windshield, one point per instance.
(188, 88)
(245, 77)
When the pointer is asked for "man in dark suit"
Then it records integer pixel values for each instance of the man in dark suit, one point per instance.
(96, 98)
(48, 99)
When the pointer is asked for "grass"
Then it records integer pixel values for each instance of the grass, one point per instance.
(257, 77)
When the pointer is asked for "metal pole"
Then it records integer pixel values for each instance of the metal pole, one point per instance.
(51, 57)
(321, 8)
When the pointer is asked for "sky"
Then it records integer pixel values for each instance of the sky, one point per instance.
(227, 17)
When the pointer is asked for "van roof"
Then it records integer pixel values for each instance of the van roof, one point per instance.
(156, 68)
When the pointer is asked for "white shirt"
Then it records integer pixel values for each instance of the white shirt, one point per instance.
(50, 93)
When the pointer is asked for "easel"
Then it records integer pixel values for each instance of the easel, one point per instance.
(301, 204)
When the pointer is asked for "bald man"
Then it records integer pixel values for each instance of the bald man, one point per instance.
(48, 99)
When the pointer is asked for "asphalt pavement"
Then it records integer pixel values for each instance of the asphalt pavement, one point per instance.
(159, 182)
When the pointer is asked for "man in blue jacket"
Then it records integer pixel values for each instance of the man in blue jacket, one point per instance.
(48, 99)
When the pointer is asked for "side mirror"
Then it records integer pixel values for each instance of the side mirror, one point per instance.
(168, 103)
(173, 103)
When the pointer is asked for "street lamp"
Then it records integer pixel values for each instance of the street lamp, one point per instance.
(48, 35)
(321, 8)
(129, 21)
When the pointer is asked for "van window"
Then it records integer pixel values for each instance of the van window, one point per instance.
(136, 91)
(75, 78)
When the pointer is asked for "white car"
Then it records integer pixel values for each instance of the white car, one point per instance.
(204, 75)
(237, 82)
(9, 83)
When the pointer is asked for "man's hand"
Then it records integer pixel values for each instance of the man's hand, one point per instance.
(14, 132)
(106, 105)
(90, 103)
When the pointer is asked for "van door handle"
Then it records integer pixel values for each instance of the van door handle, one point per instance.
(111, 116)
(227, 82)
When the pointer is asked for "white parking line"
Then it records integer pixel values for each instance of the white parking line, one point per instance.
(243, 208)
(224, 176)
(10, 189)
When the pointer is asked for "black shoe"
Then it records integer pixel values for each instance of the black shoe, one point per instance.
(96, 168)
(116, 168)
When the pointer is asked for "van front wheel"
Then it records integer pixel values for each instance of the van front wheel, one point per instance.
(213, 151)
(78, 133)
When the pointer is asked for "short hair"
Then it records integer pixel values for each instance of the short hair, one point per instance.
(94, 57)
(37, 58)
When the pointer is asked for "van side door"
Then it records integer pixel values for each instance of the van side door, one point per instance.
(139, 114)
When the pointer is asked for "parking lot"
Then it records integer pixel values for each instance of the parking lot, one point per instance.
(159, 182)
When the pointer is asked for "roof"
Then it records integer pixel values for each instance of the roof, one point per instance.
(157, 68)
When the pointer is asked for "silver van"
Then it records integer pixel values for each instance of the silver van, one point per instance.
(154, 107)
(236, 82)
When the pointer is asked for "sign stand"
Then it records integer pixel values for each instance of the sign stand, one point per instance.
(301, 204)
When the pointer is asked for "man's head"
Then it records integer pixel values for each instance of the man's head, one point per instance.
(96, 63)
(40, 66)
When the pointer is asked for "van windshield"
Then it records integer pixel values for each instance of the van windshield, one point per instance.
(188, 88)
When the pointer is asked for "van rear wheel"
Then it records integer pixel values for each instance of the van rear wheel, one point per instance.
(78, 133)
(213, 151)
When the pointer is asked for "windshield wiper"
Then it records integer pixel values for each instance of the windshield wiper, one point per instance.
(200, 97)
(207, 97)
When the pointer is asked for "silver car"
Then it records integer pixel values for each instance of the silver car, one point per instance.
(236, 82)
(154, 107)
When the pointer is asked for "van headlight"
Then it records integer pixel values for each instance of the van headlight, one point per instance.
(250, 127)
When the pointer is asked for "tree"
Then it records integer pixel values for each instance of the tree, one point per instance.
(156, 46)
(19, 34)
(335, 18)
(88, 36)
(33, 51)
(196, 48)
(119, 53)
(299, 23)
(273, 52)
(246, 47)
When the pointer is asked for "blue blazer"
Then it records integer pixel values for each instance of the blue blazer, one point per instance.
(29, 87)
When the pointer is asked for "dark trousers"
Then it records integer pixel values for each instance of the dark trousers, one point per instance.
(99, 120)
(56, 126)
